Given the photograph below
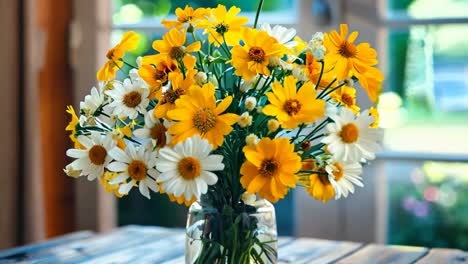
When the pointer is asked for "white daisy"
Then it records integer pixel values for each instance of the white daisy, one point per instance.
(350, 138)
(92, 102)
(135, 165)
(343, 176)
(283, 35)
(92, 160)
(186, 168)
(129, 98)
(154, 130)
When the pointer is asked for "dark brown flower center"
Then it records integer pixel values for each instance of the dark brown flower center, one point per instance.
(110, 54)
(158, 133)
(204, 120)
(347, 50)
(170, 96)
(160, 75)
(257, 54)
(268, 168)
(176, 53)
(292, 107)
(347, 99)
(97, 155)
(137, 170)
(221, 28)
(132, 99)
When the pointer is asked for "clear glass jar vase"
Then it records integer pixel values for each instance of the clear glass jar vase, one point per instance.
(241, 235)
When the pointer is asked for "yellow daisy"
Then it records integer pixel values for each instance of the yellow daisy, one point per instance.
(346, 96)
(188, 15)
(223, 25)
(270, 168)
(172, 48)
(129, 42)
(72, 127)
(313, 69)
(254, 56)
(348, 58)
(374, 113)
(198, 113)
(167, 99)
(156, 74)
(292, 107)
(317, 185)
(111, 188)
(371, 81)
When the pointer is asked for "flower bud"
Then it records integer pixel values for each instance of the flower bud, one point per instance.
(250, 103)
(273, 125)
(251, 140)
(200, 78)
(245, 120)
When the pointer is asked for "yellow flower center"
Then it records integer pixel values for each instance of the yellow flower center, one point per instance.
(292, 107)
(189, 168)
(347, 50)
(257, 54)
(347, 99)
(170, 96)
(132, 99)
(176, 53)
(204, 120)
(339, 172)
(137, 170)
(268, 168)
(97, 155)
(221, 28)
(349, 133)
(110, 54)
(158, 133)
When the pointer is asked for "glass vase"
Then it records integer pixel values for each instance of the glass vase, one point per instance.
(238, 234)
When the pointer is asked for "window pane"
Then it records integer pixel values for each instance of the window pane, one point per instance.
(135, 11)
(427, 204)
(428, 68)
(424, 9)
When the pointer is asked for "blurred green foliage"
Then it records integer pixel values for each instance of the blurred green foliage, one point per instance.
(431, 210)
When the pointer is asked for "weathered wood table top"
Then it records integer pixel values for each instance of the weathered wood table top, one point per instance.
(139, 244)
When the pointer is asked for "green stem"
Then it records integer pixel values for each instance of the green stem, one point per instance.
(259, 9)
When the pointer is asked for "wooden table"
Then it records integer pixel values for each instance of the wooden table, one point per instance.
(139, 244)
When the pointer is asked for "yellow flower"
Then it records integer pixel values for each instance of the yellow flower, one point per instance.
(375, 113)
(111, 188)
(316, 184)
(156, 75)
(270, 168)
(371, 81)
(129, 42)
(180, 200)
(293, 107)
(346, 96)
(253, 58)
(198, 113)
(172, 48)
(72, 127)
(188, 15)
(245, 120)
(313, 69)
(179, 86)
(347, 58)
(299, 48)
(223, 25)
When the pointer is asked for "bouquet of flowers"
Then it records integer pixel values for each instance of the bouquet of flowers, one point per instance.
(224, 115)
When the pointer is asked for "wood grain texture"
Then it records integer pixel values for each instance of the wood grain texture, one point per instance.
(55, 93)
(311, 251)
(442, 255)
(9, 152)
(380, 254)
(142, 244)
